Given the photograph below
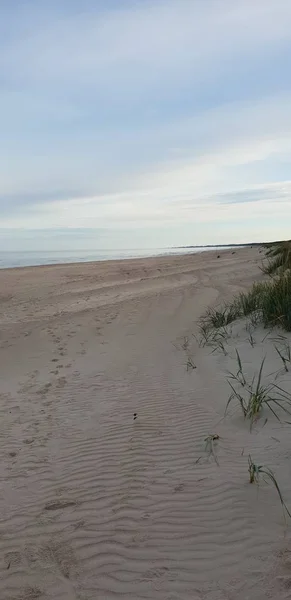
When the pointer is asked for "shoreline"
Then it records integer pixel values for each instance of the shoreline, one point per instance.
(97, 262)
(168, 253)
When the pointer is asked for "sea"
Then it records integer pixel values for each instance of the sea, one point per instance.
(11, 259)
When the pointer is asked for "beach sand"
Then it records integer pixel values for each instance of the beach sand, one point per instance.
(107, 491)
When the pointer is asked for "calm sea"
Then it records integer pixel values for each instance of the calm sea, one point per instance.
(33, 258)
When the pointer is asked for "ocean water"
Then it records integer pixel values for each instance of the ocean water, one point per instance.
(34, 258)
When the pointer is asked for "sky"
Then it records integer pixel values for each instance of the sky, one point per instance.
(144, 123)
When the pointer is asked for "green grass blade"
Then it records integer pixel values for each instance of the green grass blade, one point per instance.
(272, 477)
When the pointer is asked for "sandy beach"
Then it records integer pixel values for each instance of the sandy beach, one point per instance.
(107, 491)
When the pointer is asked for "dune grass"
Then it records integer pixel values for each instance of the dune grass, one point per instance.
(268, 303)
(217, 318)
(239, 376)
(256, 472)
(190, 365)
(213, 335)
(284, 352)
(256, 396)
(279, 258)
(210, 445)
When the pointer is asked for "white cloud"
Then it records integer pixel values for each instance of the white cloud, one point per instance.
(185, 189)
(88, 108)
(171, 34)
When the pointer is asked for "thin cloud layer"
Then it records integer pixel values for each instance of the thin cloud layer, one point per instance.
(150, 116)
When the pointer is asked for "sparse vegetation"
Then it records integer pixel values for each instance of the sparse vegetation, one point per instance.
(210, 445)
(185, 344)
(258, 471)
(267, 303)
(205, 333)
(190, 365)
(239, 375)
(249, 329)
(218, 343)
(285, 355)
(217, 318)
(212, 336)
(257, 396)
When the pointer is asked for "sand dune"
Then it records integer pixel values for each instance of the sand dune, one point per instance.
(106, 489)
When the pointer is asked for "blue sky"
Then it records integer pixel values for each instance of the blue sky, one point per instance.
(129, 123)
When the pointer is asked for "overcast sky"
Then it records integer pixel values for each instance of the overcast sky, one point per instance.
(130, 123)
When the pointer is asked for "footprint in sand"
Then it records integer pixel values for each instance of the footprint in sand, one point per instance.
(57, 555)
(29, 593)
(60, 504)
(155, 573)
(12, 559)
(61, 382)
(179, 488)
(44, 389)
